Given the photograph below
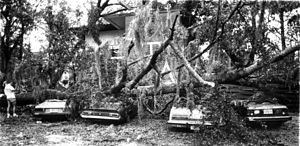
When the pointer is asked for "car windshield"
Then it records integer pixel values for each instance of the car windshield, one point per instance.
(266, 102)
(251, 102)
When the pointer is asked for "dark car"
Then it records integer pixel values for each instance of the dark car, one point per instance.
(111, 110)
(52, 109)
(265, 110)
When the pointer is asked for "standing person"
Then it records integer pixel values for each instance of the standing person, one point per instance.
(11, 98)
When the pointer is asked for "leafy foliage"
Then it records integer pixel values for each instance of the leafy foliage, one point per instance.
(16, 19)
(229, 128)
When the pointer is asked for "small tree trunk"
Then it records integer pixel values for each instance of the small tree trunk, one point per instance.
(178, 85)
(281, 15)
(140, 105)
(117, 78)
(98, 66)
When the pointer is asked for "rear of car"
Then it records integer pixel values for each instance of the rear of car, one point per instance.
(182, 117)
(52, 109)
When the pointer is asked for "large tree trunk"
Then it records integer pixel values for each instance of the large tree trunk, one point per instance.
(281, 16)
(257, 31)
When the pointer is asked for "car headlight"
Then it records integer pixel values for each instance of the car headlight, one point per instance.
(250, 112)
(116, 115)
(256, 112)
(285, 111)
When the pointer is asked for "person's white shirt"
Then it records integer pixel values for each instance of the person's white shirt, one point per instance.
(9, 91)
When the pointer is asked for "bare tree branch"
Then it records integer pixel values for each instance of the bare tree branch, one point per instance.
(159, 112)
(121, 84)
(153, 59)
(120, 4)
(238, 6)
(114, 12)
(105, 4)
(217, 21)
(136, 61)
(236, 74)
(189, 67)
(99, 3)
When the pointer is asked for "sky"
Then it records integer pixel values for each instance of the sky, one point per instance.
(37, 38)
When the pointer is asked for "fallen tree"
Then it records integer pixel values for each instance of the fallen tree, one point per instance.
(126, 86)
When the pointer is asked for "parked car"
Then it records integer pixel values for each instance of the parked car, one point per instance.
(262, 110)
(111, 110)
(183, 117)
(52, 109)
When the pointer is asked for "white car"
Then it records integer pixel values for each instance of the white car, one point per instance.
(52, 109)
(183, 117)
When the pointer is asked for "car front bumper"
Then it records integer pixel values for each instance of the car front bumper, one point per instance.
(188, 124)
(52, 116)
(100, 117)
(269, 119)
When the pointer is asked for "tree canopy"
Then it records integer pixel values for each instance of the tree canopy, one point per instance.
(216, 41)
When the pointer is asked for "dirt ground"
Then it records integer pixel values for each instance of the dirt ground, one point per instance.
(25, 131)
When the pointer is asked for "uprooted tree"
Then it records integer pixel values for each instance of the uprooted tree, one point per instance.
(237, 44)
(234, 53)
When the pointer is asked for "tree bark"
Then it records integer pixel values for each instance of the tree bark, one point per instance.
(281, 16)
(98, 66)
(189, 67)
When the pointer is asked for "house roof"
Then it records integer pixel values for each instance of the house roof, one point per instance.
(113, 22)
(118, 20)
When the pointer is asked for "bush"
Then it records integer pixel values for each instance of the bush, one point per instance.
(229, 128)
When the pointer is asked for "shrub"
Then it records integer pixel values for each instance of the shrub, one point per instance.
(229, 128)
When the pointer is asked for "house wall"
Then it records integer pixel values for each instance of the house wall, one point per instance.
(127, 22)
(111, 36)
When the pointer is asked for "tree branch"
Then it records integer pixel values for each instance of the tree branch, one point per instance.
(137, 60)
(121, 84)
(236, 74)
(159, 112)
(104, 5)
(153, 59)
(189, 67)
(114, 12)
(214, 41)
(217, 21)
(99, 3)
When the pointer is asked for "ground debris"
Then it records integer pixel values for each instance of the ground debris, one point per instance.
(149, 132)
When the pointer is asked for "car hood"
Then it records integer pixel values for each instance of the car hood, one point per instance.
(52, 104)
(265, 106)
